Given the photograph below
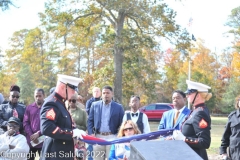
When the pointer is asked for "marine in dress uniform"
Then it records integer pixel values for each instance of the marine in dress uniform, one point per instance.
(56, 122)
(195, 130)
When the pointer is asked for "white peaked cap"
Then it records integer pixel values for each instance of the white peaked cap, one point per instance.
(69, 79)
(197, 86)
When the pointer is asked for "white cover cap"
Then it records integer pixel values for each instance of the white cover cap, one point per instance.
(69, 80)
(197, 86)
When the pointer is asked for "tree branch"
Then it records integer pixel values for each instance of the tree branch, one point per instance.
(86, 15)
(115, 19)
(110, 12)
(136, 23)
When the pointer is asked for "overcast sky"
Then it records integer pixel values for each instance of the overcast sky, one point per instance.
(208, 16)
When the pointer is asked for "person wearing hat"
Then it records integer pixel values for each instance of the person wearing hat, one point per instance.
(12, 108)
(56, 121)
(196, 128)
(230, 137)
(13, 145)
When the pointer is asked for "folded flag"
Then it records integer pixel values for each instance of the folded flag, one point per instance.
(147, 136)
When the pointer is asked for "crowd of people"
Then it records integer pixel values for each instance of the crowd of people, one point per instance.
(53, 126)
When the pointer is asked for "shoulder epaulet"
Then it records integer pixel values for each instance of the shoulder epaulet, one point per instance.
(232, 113)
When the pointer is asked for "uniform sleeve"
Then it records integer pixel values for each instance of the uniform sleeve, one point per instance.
(26, 123)
(146, 127)
(201, 125)
(90, 121)
(49, 115)
(112, 155)
(225, 138)
(162, 122)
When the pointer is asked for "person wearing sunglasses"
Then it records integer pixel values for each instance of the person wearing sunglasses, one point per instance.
(121, 151)
(230, 137)
(13, 145)
(195, 130)
(56, 122)
(79, 117)
(12, 109)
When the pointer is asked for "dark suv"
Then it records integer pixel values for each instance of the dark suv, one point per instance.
(155, 111)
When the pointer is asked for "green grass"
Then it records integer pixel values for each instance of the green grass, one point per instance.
(218, 125)
(217, 129)
(219, 120)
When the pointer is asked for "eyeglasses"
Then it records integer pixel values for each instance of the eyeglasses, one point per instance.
(72, 100)
(15, 96)
(12, 125)
(128, 129)
(133, 96)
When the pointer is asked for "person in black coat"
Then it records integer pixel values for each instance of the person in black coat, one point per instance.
(231, 134)
(195, 130)
(56, 122)
(12, 109)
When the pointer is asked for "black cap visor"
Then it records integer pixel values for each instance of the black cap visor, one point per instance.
(189, 91)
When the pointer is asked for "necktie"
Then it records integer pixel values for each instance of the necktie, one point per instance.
(176, 117)
(15, 113)
(134, 114)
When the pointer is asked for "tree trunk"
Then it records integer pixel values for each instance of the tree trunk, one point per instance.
(118, 60)
(118, 57)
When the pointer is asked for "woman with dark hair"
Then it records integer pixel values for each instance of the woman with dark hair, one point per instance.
(231, 136)
(12, 109)
(121, 151)
(79, 117)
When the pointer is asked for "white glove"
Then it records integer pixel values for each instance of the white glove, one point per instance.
(177, 135)
(78, 133)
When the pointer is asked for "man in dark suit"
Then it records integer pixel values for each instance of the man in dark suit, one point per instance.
(104, 120)
(174, 118)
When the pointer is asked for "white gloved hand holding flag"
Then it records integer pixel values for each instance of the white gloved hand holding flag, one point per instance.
(78, 133)
(177, 135)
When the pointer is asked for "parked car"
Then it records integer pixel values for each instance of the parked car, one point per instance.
(155, 111)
